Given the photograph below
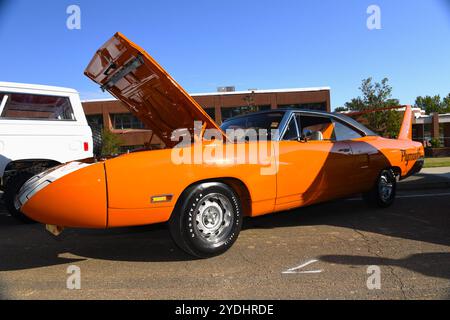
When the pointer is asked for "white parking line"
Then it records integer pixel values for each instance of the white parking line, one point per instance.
(294, 270)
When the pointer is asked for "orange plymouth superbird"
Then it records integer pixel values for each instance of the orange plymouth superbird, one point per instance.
(204, 178)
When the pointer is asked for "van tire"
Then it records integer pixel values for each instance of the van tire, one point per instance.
(12, 188)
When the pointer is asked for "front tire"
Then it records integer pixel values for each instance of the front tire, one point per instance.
(12, 189)
(383, 192)
(207, 220)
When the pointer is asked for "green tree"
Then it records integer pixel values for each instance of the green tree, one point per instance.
(250, 101)
(340, 109)
(446, 104)
(433, 104)
(429, 104)
(110, 143)
(377, 95)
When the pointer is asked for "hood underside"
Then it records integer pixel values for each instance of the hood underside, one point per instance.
(131, 75)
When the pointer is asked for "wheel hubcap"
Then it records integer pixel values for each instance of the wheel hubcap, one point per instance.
(385, 187)
(213, 217)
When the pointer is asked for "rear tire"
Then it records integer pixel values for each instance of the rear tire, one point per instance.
(207, 220)
(383, 192)
(12, 188)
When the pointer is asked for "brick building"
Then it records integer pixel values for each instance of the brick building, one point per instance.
(221, 105)
(426, 127)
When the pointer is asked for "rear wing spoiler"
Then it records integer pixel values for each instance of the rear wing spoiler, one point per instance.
(406, 128)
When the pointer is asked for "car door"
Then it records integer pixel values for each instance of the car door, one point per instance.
(313, 166)
(362, 151)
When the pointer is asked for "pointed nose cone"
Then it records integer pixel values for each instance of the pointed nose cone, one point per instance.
(78, 199)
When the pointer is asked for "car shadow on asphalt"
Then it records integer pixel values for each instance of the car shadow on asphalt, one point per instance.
(431, 264)
(412, 219)
(424, 221)
(29, 246)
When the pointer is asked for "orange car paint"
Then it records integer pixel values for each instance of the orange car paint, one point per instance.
(77, 200)
(118, 191)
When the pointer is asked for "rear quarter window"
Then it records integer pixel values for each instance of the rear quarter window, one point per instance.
(25, 106)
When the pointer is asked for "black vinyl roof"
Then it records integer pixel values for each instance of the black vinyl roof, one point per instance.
(340, 116)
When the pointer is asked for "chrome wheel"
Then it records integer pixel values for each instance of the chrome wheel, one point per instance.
(213, 218)
(385, 187)
(382, 194)
(208, 220)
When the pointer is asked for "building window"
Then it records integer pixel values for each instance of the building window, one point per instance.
(322, 106)
(427, 131)
(211, 112)
(95, 120)
(126, 121)
(442, 137)
(415, 133)
(237, 111)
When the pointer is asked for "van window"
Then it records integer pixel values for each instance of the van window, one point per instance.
(25, 106)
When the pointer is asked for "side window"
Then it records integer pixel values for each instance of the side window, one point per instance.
(291, 131)
(35, 107)
(344, 132)
(318, 128)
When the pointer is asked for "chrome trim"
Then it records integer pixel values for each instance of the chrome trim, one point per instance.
(293, 113)
(288, 114)
(334, 117)
(285, 123)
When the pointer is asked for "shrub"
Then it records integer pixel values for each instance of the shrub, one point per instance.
(435, 143)
(111, 143)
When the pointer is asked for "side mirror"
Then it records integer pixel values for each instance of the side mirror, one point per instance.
(306, 135)
(302, 138)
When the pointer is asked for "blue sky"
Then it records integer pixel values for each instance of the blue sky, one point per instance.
(250, 44)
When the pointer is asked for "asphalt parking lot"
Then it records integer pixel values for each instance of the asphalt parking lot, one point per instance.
(319, 252)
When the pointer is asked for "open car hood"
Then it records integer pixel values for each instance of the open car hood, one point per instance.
(131, 75)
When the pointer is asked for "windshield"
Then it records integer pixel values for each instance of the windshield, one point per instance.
(252, 124)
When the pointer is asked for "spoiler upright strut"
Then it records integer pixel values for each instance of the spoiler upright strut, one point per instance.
(406, 128)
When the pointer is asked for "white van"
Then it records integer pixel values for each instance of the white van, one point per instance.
(40, 127)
